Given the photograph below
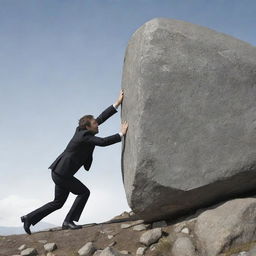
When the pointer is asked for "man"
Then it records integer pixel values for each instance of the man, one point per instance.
(77, 153)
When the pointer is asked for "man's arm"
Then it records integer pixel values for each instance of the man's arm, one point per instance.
(103, 141)
(108, 112)
(116, 106)
(112, 109)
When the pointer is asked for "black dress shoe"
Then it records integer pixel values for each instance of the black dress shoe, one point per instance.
(26, 223)
(70, 225)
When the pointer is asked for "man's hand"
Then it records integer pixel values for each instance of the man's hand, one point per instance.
(120, 98)
(124, 127)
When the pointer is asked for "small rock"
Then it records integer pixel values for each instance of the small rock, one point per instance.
(126, 225)
(157, 224)
(131, 213)
(42, 241)
(183, 246)
(112, 243)
(110, 236)
(141, 227)
(185, 230)
(22, 247)
(124, 252)
(97, 252)
(132, 223)
(151, 236)
(87, 250)
(136, 222)
(50, 247)
(110, 251)
(29, 252)
(152, 247)
(178, 227)
(50, 254)
(141, 250)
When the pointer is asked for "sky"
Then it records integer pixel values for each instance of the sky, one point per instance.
(62, 59)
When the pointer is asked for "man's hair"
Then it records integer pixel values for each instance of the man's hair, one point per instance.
(85, 120)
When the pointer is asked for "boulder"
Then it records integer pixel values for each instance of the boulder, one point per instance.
(226, 226)
(190, 101)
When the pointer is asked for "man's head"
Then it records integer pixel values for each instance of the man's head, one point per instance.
(88, 122)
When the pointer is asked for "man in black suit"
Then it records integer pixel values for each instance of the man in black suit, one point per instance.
(77, 153)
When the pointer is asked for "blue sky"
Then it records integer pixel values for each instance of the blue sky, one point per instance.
(62, 59)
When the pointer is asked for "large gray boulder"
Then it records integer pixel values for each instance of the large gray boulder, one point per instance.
(190, 101)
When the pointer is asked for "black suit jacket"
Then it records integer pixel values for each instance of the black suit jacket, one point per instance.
(80, 148)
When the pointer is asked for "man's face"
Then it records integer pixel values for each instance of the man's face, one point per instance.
(94, 126)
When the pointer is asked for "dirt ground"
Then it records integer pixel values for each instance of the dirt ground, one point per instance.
(70, 241)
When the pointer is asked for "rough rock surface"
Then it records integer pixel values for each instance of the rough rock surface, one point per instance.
(183, 247)
(151, 236)
(29, 252)
(87, 250)
(190, 101)
(226, 226)
(50, 247)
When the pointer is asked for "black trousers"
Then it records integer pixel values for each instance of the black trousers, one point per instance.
(63, 185)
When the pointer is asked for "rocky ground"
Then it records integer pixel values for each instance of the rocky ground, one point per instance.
(224, 229)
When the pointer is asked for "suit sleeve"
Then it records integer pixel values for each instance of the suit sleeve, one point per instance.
(104, 141)
(108, 112)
